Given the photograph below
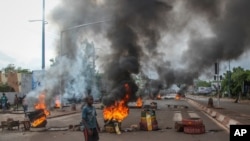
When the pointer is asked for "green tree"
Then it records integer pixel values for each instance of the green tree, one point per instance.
(12, 68)
(9, 68)
(201, 83)
(234, 80)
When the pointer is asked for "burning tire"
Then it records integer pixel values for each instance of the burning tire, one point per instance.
(192, 122)
(110, 126)
(194, 129)
(37, 118)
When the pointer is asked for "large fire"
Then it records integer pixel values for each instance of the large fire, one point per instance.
(40, 106)
(119, 110)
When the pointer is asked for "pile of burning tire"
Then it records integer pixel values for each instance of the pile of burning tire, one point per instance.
(190, 126)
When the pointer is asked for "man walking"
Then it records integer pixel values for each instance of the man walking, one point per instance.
(25, 105)
(16, 102)
(4, 101)
(89, 121)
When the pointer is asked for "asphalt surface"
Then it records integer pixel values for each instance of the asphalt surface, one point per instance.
(225, 110)
(165, 113)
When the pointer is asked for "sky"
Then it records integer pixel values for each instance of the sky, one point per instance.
(21, 40)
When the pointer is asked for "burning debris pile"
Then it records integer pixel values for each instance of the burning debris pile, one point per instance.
(139, 102)
(115, 113)
(38, 116)
(57, 102)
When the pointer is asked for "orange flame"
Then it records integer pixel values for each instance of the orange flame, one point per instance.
(119, 111)
(38, 121)
(177, 97)
(41, 104)
(57, 102)
(139, 102)
(158, 96)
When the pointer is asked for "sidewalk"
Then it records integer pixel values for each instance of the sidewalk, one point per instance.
(19, 115)
(229, 113)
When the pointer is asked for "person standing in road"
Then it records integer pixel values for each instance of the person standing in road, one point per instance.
(89, 121)
(4, 101)
(25, 105)
(16, 102)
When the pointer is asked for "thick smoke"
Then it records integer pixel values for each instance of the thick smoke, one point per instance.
(229, 23)
(135, 28)
(180, 40)
(69, 77)
(72, 74)
(230, 40)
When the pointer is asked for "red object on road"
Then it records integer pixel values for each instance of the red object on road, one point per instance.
(199, 129)
(192, 122)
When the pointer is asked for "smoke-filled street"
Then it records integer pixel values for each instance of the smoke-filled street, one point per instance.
(165, 115)
(108, 48)
(139, 52)
(177, 41)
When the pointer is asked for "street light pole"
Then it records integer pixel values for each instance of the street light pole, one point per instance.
(43, 33)
(43, 36)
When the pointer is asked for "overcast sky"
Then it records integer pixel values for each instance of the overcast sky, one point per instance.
(21, 40)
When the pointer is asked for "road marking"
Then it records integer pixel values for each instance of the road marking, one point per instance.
(217, 122)
(193, 114)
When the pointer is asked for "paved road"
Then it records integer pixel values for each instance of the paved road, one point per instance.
(237, 111)
(165, 117)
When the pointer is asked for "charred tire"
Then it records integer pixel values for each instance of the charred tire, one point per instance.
(179, 127)
(194, 129)
(192, 122)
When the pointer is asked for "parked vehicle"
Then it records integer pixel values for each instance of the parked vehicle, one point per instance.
(204, 90)
(169, 96)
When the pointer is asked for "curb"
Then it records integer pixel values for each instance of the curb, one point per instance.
(224, 120)
(64, 114)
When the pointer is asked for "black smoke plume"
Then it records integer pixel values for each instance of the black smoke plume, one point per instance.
(135, 27)
(180, 42)
(229, 22)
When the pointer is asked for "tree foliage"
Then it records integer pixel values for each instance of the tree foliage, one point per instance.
(13, 68)
(6, 88)
(233, 81)
(201, 83)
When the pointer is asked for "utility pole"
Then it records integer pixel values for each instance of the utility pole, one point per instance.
(43, 36)
(229, 79)
(217, 79)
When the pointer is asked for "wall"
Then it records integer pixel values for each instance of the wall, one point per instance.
(20, 82)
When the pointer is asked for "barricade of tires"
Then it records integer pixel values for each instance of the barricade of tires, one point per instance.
(190, 126)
